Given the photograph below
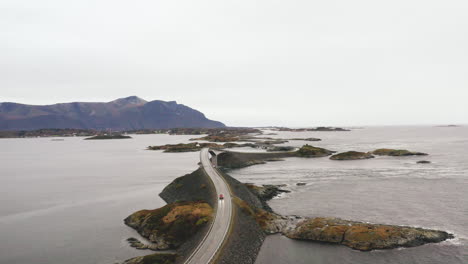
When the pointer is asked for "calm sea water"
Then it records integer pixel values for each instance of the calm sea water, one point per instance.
(65, 201)
(391, 190)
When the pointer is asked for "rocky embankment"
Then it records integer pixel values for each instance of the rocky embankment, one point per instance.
(266, 193)
(352, 155)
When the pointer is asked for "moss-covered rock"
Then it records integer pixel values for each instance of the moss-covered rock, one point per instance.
(396, 152)
(363, 236)
(171, 225)
(352, 155)
(311, 151)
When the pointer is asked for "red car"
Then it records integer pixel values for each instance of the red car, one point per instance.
(221, 196)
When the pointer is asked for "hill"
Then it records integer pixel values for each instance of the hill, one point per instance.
(128, 113)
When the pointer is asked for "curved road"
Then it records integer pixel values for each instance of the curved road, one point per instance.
(213, 240)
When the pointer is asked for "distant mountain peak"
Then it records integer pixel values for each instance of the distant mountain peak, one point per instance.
(131, 100)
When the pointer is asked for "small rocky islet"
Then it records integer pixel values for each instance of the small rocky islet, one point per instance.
(112, 136)
(362, 236)
(397, 152)
(352, 155)
(423, 162)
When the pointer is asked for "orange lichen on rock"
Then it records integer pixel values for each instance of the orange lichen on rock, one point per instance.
(364, 236)
(170, 225)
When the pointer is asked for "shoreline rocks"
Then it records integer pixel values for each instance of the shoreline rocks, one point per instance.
(307, 139)
(266, 192)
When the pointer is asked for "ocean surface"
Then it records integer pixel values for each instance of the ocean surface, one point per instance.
(388, 190)
(65, 201)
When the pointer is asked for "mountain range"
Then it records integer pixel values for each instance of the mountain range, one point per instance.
(128, 113)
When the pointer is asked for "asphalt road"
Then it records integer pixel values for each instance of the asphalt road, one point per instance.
(218, 231)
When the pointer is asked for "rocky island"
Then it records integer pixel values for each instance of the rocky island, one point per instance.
(396, 152)
(363, 236)
(352, 155)
(113, 136)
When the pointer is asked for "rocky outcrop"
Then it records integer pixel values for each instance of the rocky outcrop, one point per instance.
(266, 192)
(363, 236)
(190, 187)
(306, 139)
(397, 152)
(279, 148)
(423, 162)
(116, 136)
(309, 151)
(171, 225)
(352, 155)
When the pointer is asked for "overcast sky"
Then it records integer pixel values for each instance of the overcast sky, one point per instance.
(245, 62)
